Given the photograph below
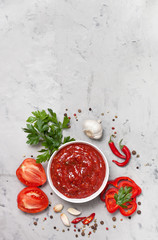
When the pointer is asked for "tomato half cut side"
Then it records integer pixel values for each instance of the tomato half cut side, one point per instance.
(30, 173)
(110, 200)
(32, 200)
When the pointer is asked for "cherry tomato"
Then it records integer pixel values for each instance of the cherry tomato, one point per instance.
(32, 200)
(30, 173)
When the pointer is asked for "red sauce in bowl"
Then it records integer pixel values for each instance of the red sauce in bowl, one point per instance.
(78, 170)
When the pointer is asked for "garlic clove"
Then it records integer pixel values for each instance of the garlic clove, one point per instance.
(93, 129)
(57, 208)
(73, 211)
(65, 219)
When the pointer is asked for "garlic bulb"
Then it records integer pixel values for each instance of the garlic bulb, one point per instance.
(93, 129)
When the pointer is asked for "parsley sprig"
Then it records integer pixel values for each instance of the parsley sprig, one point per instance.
(123, 196)
(45, 129)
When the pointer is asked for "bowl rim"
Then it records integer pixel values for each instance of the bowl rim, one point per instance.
(78, 200)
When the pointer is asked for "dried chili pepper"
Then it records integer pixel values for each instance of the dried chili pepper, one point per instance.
(88, 219)
(115, 150)
(77, 220)
(126, 151)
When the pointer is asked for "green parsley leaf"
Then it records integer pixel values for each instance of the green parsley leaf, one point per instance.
(45, 129)
(68, 139)
(31, 119)
(43, 157)
(123, 196)
(66, 121)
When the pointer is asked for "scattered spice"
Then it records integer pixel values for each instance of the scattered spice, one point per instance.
(63, 230)
(90, 109)
(129, 217)
(31, 155)
(102, 222)
(102, 114)
(74, 114)
(114, 136)
(65, 114)
(115, 132)
(76, 236)
(44, 219)
(78, 230)
(114, 226)
(69, 126)
(114, 219)
(116, 116)
(137, 167)
(79, 110)
(69, 117)
(113, 119)
(51, 216)
(139, 212)
(35, 223)
(55, 227)
(138, 156)
(83, 233)
(121, 219)
(51, 193)
(112, 128)
(107, 228)
(92, 227)
(134, 152)
(68, 229)
(139, 203)
(50, 205)
(66, 109)
(95, 225)
(74, 230)
(76, 119)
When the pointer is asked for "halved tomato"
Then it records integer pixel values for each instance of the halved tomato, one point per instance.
(32, 200)
(30, 173)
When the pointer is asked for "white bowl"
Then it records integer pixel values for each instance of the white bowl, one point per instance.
(78, 200)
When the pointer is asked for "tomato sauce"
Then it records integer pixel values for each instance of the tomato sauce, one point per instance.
(78, 170)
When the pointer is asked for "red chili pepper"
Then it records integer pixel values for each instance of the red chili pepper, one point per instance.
(77, 220)
(88, 219)
(115, 150)
(126, 151)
